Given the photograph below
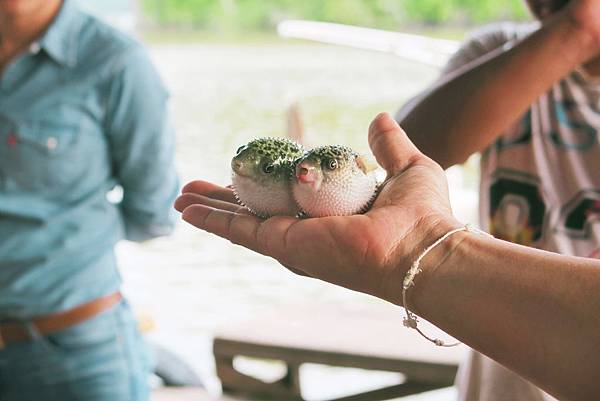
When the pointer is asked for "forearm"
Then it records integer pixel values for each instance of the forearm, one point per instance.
(535, 312)
(147, 210)
(475, 104)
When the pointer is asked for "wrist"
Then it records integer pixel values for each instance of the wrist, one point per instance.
(581, 31)
(425, 232)
(441, 258)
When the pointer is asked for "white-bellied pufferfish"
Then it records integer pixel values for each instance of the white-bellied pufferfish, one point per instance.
(262, 172)
(333, 181)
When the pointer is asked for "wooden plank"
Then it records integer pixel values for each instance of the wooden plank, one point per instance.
(234, 382)
(423, 371)
(288, 388)
(372, 330)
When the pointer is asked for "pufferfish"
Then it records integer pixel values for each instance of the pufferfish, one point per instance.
(333, 181)
(262, 172)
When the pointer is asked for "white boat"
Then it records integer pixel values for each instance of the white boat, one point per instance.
(419, 48)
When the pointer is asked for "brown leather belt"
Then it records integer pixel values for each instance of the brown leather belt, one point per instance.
(13, 331)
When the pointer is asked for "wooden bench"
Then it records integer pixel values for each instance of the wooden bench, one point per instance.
(368, 336)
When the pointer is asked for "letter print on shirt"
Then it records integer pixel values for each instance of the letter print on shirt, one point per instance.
(569, 130)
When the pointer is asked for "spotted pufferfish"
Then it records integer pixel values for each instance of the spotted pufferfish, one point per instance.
(333, 180)
(274, 176)
(262, 172)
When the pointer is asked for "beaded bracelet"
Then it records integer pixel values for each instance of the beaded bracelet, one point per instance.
(411, 321)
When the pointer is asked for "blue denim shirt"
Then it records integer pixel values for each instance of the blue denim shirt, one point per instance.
(81, 112)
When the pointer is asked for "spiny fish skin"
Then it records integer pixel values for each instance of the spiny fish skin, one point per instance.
(333, 181)
(261, 172)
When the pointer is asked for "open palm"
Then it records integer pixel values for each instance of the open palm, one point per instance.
(369, 252)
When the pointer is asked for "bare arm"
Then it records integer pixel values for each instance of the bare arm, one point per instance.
(535, 312)
(466, 111)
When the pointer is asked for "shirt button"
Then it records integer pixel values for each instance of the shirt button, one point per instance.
(34, 48)
(52, 143)
(12, 140)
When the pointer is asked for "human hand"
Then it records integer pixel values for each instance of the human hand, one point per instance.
(584, 15)
(370, 252)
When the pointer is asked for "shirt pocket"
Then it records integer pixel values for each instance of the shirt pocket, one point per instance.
(42, 155)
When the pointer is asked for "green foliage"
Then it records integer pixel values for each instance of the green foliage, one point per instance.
(429, 11)
(260, 15)
(485, 10)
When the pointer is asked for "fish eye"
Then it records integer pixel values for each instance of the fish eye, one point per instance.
(268, 168)
(332, 164)
(239, 150)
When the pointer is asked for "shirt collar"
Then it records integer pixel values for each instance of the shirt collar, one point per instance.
(60, 39)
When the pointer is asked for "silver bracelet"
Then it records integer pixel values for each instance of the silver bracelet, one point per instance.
(411, 321)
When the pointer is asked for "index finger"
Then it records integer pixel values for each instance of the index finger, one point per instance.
(391, 146)
(263, 236)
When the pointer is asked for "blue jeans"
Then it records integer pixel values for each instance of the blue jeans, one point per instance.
(101, 359)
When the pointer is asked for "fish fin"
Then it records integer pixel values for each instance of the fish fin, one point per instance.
(371, 201)
(366, 163)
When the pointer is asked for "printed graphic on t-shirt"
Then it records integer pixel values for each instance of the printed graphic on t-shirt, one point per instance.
(570, 131)
(578, 215)
(520, 134)
(516, 208)
(595, 254)
(517, 211)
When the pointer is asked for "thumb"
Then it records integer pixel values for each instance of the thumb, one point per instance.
(390, 145)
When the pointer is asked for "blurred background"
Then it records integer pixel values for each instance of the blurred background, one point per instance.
(232, 78)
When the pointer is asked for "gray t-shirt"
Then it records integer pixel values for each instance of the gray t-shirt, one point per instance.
(540, 187)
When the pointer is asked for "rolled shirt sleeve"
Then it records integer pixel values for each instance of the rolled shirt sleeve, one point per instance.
(142, 142)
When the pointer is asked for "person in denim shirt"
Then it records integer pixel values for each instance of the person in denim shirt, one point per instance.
(82, 110)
